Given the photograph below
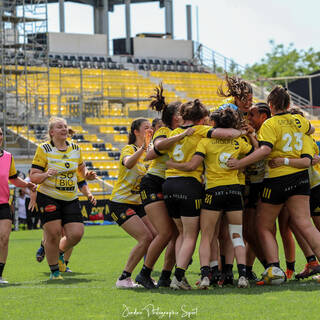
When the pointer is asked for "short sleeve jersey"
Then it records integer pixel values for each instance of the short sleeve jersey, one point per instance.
(183, 150)
(63, 186)
(314, 171)
(284, 134)
(127, 187)
(255, 172)
(241, 173)
(216, 153)
(158, 165)
(7, 171)
(12, 172)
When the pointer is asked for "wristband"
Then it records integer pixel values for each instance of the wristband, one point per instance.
(286, 161)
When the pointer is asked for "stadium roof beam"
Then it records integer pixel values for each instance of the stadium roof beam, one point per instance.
(101, 15)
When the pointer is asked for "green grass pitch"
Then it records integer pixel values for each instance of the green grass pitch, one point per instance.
(89, 292)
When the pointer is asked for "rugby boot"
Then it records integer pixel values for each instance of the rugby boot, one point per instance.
(126, 283)
(289, 274)
(251, 276)
(2, 281)
(243, 282)
(62, 264)
(226, 279)
(310, 269)
(145, 281)
(164, 283)
(40, 254)
(56, 276)
(179, 285)
(204, 283)
(215, 276)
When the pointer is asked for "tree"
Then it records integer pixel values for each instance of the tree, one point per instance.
(284, 61)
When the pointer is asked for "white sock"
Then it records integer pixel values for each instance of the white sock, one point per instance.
(213, 263)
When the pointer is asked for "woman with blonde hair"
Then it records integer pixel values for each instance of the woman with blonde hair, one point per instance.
(54, 169)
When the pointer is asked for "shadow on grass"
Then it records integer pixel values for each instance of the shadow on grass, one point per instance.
(305, 286)
(156, 274)
(70, 274)
(67, 281)
(7, 285)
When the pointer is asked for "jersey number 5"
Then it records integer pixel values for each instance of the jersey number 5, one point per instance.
(178, 153)
(287, 137)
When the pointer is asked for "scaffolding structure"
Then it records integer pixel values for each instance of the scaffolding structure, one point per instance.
(24, 62)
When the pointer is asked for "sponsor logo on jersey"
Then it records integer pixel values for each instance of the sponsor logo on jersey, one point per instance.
(160, 196)
(67, 164)
(298, 123)
(130, 212)
(50, 208)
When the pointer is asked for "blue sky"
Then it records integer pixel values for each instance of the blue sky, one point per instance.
(239, 29)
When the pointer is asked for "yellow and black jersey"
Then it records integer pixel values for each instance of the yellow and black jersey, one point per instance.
(314, 171)
(216, 153)
(127, 187)
(183, 150)
(241, 173)
(63, 186)
(284, 134)
(13, 172)
(158, 166)
(255, 172)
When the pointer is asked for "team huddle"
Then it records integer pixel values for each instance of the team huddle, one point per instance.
(227, 175)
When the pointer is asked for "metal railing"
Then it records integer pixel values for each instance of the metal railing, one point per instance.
(219, 64)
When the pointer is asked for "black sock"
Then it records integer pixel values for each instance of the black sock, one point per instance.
(42, 246)
(264, 263)
(223, 261)
(241, 270)
(1, 268)
(165, 274)
(249, 269)
(311, 258)
(61, 253)
(179, 273)
(54, 268)
(145, 271)
(66, 262)
(125, 275)
(214, 269)
(275, 264)
(205, 271)
(290, 265)
(227, 268)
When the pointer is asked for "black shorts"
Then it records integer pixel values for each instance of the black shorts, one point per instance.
(253, 196)
(151, 189)
(5, 212)
(183, 196)
(224, 198)
(122, 212)
(315, 201)
(278, 190)
(54, 209)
